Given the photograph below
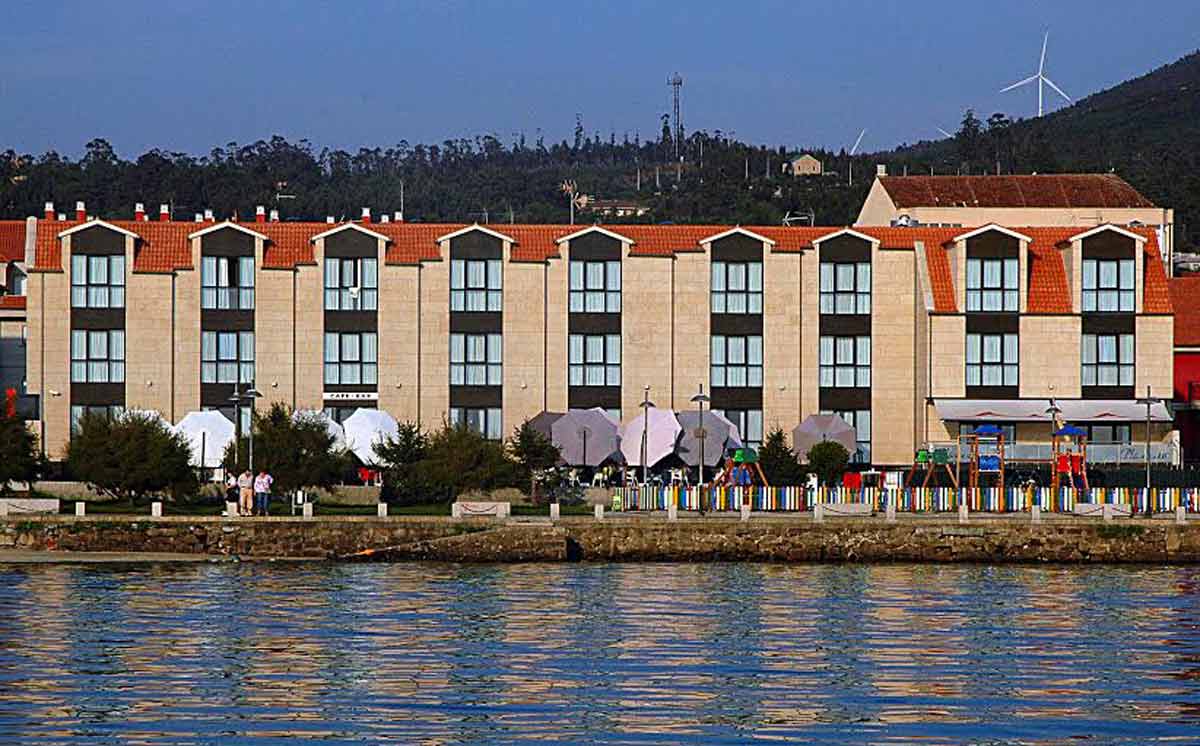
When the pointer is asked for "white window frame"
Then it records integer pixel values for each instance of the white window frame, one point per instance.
(476, 285)
(1108, 359)
(737, 288)
(98, 356)
(736, 361)
(487, 421)
(594, 360)
(227, 356)
(841, 288)
(227, 283)
(594, 286)
(844, 362)
(358, 293)
(476, 359)
(993, 359)
(1108, 286)
(97, 280)
(351, 359)
(993, 285)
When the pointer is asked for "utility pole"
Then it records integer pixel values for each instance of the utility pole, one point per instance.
(676, 82)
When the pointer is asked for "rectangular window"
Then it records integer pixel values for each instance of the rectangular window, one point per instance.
(476, 359)
(98, 356)
(844, 362)
(595, 287)
(860, 420)
(351, 358)
(1109, 434)
(749, 423)
(475, 285)
(993, 285)
(486, 422)
(845, 287)
(351, 284)
(97, 281)
(1108, 285)
(594, 360)
(77, 412)
(992, 359)
(736, 362)
(737, 287)
(227, 283)
(1107, 360)
(1008, 429)
(227, 357)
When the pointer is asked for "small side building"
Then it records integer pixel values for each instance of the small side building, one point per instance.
(802, 164)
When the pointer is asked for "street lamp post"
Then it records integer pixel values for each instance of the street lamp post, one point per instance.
(700, 398)
(238, 397)
(1054, 411)
(1149, 401)
(583, 433)
(646, 405)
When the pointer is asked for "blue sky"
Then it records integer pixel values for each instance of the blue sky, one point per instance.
(189, 76)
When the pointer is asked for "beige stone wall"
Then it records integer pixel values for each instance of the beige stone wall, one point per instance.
(893, 350)
(398, 339)
(810, 333)
(187, 340)
(55, 349)
(782, 304)
(435, 341)
(524, 394)
(948, 347)
(693, 275)
(1050, 354)
(646, 331)
(1155, 344)
(274, 330)
(556, 334)
(878, 208)
(938, 430)
(310, 333)
(924, 304)
(148, 349)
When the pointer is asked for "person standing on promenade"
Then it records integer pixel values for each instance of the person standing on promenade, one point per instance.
(231, 489)
(245, 484)
(262, 492)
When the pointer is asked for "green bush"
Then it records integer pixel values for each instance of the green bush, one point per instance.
(20, 460)
(534, 455)
(828, 459)
(778, 462)
(131, 457)
(297, 451)
(404, 482)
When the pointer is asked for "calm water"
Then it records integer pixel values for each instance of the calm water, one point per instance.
(442, 654)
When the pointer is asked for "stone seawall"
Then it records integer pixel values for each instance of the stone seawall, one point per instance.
(618, 539)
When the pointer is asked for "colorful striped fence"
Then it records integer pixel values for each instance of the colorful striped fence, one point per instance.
(913, 500)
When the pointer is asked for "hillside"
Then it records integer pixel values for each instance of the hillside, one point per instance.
(1146, 129)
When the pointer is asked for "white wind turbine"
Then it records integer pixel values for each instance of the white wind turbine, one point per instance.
(853, 150)
(1040, 77)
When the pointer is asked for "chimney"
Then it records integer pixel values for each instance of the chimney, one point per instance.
(208, 216)
(139, 212)
(164, 213)
(366, 216)
(80, 211)
(62, 216)
(199, 217)
(260, 214)
(274, 216)
(383, 218)
(880, 169)
(329, 219)
(48, 213)
(398, 216)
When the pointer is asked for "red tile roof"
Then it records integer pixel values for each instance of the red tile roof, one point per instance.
(12, 240)
(1185, 297)
(12, 301)
(1041, 190)
(164, 248)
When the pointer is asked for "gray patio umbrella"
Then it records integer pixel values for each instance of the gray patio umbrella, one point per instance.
(719, 433)
(544, 421)
(821, 427)
(585, 437)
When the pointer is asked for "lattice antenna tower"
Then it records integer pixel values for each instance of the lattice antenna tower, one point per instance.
(676, 82)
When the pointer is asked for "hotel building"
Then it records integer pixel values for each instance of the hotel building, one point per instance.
(909, 333)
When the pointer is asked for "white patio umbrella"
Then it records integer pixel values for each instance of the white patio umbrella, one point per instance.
(208, 433)
(337, 431)
(365, 428)
(661, 436)
(152, 414)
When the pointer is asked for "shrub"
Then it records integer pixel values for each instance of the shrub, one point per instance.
(778, 462)
(297, 451)
(458, 459)
(404, 482)
(131, 457)
(828, 459)
(532, 452)
(20, 460)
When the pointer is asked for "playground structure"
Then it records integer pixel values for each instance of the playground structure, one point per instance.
(1066, 462)
(740, 469)
(985, 453)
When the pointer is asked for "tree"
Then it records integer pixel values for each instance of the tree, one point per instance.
(131, 456)
(532, 451)
(404, 482)
(828, 459)
(459, 459)
(970, 138)
(298, 450)
(778, 462)
(20, 460)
